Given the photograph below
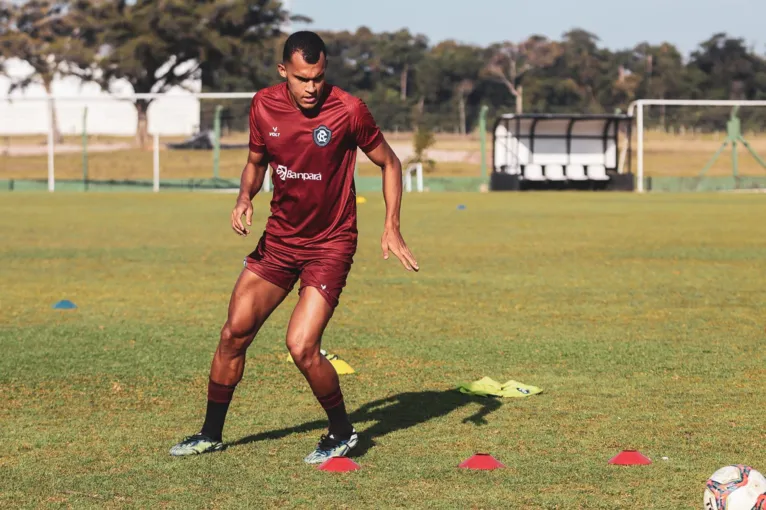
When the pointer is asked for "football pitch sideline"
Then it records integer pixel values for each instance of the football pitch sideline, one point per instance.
(640, 317)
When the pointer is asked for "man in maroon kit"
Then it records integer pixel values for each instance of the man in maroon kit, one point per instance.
(308, 131)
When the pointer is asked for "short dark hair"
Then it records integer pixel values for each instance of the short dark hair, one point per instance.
(309, 44)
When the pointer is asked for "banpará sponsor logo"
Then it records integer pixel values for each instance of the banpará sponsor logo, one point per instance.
(284, 173)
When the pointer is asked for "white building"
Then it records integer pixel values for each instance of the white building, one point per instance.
(25, 112)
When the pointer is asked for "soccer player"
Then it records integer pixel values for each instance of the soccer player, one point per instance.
(308, 131)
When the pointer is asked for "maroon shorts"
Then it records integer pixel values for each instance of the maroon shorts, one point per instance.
(284, 266)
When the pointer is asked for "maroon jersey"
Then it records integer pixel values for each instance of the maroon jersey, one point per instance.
(312, 161)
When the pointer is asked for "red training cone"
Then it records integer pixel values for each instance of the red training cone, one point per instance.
(481, 461)
(339, 464)
(629, 458)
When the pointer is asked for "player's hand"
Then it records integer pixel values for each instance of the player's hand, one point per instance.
(243, 207)
(392, 242)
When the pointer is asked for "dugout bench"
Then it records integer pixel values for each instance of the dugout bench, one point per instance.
(561, 151)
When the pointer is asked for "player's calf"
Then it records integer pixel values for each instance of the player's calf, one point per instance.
(304, 338)
(229, 358)
(252, 302)
(324, 382)
(225, 374)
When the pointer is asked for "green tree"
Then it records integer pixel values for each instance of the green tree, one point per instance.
(43, 34)
(155, 45)
(400, 52)
(256, 69)
(5, 27)
(724, 67)
(421, 142)
(510, 63)
(453, 71)
(353, 62)
(584, 63)
(662, 75)
(731, 69)
(406, 82)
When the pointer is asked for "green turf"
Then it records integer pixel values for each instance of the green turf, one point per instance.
(641, 317)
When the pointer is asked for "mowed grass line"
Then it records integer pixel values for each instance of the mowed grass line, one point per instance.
(641, 317)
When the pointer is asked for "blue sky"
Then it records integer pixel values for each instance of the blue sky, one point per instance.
(684, 23)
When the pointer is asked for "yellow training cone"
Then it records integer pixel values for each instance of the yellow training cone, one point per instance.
(341, 367)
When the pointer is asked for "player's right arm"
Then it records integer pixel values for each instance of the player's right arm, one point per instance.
(250, 183)
(252, 175)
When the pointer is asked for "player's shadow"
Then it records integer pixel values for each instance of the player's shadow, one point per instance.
(392, 414)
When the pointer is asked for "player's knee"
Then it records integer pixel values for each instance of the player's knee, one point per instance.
(304, 354)
(235, 340)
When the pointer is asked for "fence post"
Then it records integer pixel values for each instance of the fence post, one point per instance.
(85, 149)
(640, 143)
(51, 135)
(156, 179)
(217, 141)
(483, 138)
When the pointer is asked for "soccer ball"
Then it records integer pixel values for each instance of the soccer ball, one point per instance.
(735, 487)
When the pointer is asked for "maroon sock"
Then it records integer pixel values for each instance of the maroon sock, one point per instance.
(220, 393)
(218, 399)
(333, 404)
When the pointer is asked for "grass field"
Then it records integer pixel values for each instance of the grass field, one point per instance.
(665, 155)
(641, 317)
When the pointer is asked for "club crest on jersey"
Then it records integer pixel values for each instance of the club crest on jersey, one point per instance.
(322, 136)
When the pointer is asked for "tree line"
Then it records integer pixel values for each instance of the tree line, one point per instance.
(407, 80)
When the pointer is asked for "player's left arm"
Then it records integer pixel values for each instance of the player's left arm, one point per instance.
(252, 175)
(250, 183)
(392, 240)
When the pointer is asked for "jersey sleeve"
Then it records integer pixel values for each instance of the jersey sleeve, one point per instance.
(366, 132)
(256, 138)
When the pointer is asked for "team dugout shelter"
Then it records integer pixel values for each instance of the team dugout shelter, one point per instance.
(562, 151)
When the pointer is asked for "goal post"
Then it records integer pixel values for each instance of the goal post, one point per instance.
(725, 110)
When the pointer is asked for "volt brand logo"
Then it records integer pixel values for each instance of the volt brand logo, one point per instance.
(284, 173)
(274, 132)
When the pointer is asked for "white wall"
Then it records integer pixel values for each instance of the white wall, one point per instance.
(26, 112)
